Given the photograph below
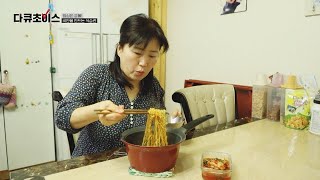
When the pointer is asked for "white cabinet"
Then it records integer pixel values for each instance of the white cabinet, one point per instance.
(27, 132)
(78, 45)
(109, 45)
(29, 129)
(113, 13)
(84, 9)
(72, 52)
(3, 147)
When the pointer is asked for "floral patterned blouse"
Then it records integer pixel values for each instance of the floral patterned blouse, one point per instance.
(96, 84)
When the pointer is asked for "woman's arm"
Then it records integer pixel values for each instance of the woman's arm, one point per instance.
(82, 94)
(85, 115)
(76, 109)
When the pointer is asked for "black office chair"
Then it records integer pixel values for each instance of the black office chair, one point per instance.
(57, 96)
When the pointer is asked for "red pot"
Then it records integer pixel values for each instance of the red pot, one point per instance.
(156, 159)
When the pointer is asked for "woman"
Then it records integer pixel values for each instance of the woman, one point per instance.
(126, 83)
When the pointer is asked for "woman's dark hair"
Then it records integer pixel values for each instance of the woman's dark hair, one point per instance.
(138, 30)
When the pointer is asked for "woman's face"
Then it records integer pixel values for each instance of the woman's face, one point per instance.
(137, 62)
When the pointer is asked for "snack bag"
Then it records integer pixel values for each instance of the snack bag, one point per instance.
(297, 109)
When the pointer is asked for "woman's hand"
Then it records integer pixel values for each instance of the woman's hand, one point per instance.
(115, 116)
(83, 116)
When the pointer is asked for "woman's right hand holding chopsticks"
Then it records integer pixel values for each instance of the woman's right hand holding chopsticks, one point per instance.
(85, 115)
(114, 113)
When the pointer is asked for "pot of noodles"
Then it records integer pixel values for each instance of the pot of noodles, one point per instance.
(154, 148)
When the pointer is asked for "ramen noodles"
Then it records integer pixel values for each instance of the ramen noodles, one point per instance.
(155, 132)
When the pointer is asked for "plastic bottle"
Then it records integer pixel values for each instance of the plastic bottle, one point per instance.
(315, 116)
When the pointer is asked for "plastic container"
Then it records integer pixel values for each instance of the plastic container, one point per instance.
(259, 97)
(216, 165)
(315, 116)
(273, 103)
(259, 102)
(282, 105)
(274, 96)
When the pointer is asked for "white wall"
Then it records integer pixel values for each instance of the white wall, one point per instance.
(270, 36)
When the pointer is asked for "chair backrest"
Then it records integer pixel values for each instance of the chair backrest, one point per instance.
(197, 101)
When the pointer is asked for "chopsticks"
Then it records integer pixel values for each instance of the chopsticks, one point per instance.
(126, 111)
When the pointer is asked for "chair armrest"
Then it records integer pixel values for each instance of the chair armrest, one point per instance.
(180, 98)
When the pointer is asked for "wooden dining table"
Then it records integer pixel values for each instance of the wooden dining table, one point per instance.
(260, 150)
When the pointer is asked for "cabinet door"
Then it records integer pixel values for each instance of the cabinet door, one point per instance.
(25, 54)
(76, 50)
(113, 13)
(75, 8)
(3, 148)
(109, 45)
(72, 52)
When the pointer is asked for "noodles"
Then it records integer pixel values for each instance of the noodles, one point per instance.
(155, 133)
